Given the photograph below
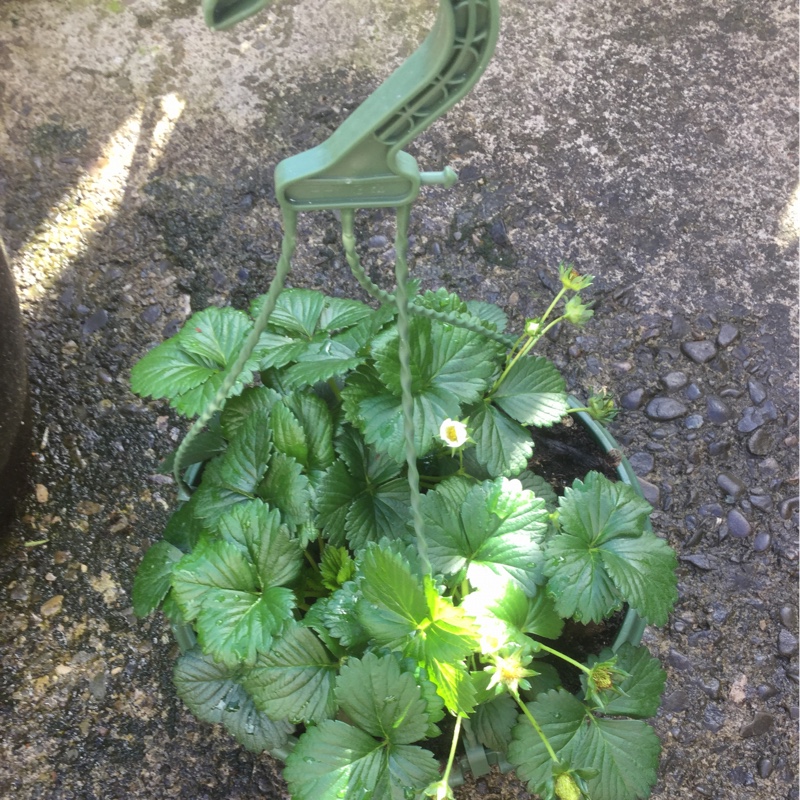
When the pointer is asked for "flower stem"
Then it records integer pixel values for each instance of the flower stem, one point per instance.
(569, 660)
(452, 756)
(535, 725)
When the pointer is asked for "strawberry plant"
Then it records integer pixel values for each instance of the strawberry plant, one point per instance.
(346, 609)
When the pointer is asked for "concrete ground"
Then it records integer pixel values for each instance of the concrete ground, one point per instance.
(653, 144)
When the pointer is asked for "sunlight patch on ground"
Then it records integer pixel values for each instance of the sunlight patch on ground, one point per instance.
(789, 222)
(86, 209)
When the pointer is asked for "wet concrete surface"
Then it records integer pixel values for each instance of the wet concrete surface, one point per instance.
(653, 144)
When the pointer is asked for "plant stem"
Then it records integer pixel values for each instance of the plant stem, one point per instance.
(526, 348)
(452, 756)
(569, 660)
(535, 725)
(552, 305)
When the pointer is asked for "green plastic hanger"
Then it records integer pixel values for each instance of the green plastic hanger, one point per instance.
(362, 164)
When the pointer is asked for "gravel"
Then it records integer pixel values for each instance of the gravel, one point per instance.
(651, 144)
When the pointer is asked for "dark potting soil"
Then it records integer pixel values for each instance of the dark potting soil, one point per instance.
(566, 451)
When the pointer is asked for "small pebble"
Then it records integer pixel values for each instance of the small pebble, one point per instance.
(762, 542)
(680, 327)
(52, 606)
(764, 767)
(787, 643)
(674, 380)
(763, 502)
(641, 462)
(630, 401)
(713, 718)
(693, 422)
(97, 321)
(765, 691)
(677, 701)
(738, 526)
(651, 492)
(718, 410)
(751, 419)
(759, 725)
(731, 485)
(700, 561)
(769, 410)
(727, 335)
(665, 408)
(711, 688)
(679, 661)
(42, 493)
(151, 314)
(499, 234)
(376, 242)
(693, 392)
(760, 443)
(699, 352)
(757, 392)
(788, 616)
(719, 448)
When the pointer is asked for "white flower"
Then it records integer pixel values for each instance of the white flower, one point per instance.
(453, 433)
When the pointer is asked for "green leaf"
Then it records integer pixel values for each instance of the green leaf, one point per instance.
(337, 761)
(491, 315)
(256, 400)
(297, 311)
(533, 392)
(361, 498)
(286, 488)
(295, 679)
(561, 718)
(245, 461)
(639, 695)
(337, 615)
(236, 617)
(493, 722)
(540, 487)
(189, 368)
(276, 350)
(602, 510)
(405, 613)
(450, 366)
(184, 527)
(205, 446)
(519, 614)
(288, 435)
(215, 335)
(168, 371)
(494, 535)
(625, 752)
(336, 567)
(382, 700)
(213, 694)
(153, 578)
(393, 599)
(601, 557)
(340, 313)
(314, 416)
(257, 528)
(503, 446)
(643, 571)
(322, 360)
